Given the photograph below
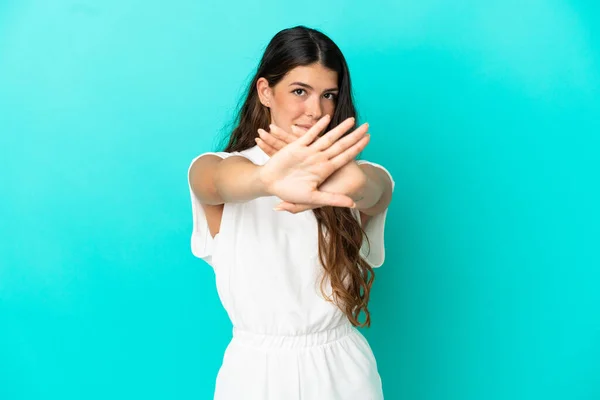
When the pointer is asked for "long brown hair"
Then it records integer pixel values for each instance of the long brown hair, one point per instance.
(340, 234)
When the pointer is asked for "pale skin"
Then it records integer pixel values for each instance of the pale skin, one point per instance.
(306, 170)
(365, 177)
(307, 93)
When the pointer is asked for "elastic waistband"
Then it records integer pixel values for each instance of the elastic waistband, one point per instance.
(261, 340)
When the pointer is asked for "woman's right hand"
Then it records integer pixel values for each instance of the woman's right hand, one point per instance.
(295, 172)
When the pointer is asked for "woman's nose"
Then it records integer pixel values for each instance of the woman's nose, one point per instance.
(314, 109)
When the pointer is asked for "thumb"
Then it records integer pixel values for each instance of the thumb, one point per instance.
(294, 208)
(333, 199)
(284, 206)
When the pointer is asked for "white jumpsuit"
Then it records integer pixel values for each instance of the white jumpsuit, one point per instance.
(288, 342)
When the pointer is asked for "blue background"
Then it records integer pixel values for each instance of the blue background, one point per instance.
(486, 113)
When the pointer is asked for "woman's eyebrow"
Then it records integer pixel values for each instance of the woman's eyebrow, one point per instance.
(311, 88)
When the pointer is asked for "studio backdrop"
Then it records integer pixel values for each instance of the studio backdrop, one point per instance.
(486, 113)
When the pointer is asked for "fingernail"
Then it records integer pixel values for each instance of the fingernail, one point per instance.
(353, 205)
(277, 209)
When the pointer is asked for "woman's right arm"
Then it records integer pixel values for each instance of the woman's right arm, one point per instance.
(234, 179)
(293, 174)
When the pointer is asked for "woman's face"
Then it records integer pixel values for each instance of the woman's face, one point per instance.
(302, 97)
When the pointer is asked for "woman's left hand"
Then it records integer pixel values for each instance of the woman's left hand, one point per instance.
(347, 180)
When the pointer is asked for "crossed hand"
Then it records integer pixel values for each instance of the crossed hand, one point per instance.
(300, 163)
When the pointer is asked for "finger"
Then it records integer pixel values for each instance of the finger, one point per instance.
(294, 208)
(347, 141)
(304, 207)
(344, 158)
(332, 199)
(333, 135)
(282, 134)
(283, 206)
(271, 140)
(265, 147)
(309, 136)
(287, 206)
(297, 131)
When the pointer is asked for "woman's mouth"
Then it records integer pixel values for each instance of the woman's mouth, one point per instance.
(303, 127)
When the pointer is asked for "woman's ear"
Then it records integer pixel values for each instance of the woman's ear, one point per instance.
(264, 92)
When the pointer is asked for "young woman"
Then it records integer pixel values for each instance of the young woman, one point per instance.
(293, 227)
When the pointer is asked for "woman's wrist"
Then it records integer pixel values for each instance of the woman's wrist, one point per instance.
(260, 182)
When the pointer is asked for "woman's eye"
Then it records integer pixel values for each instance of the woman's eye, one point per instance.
(330, 94)
(298, 90)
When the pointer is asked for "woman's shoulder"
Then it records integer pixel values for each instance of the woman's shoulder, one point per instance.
(254, 154)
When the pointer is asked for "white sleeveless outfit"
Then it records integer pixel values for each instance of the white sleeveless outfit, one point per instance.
(288, 342)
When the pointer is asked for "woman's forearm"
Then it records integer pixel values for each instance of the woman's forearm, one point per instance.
(367, 195)
(362, 183)
(237, 180)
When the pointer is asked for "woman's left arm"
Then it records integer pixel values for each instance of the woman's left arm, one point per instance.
(375, 194)
(370, 187)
